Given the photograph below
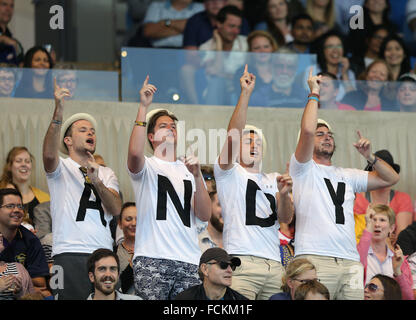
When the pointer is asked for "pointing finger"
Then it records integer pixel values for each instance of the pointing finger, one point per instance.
(146, 81)
(246, 68)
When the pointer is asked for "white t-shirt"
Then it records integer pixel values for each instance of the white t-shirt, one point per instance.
(66, 186)
(161, 233)
(243, 233)
(233, 59)
(316, 229)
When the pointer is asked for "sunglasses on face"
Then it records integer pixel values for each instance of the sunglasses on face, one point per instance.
(372, 287)
(224, 265)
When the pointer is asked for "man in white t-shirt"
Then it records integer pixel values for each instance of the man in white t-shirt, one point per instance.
(252, 204)
(169, 194)
(324, 196)
(84, 196)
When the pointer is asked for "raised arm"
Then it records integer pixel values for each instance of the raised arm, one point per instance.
(237, 122)
(284, 202)
(52, 137)
(135, 157)
(383, 175)
(304, 149)
(110, 198)
(202, 201)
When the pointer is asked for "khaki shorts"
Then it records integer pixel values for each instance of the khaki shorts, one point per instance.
(257, 278)
(343, 278)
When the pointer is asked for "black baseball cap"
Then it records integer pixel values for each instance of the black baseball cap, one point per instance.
(219, 255)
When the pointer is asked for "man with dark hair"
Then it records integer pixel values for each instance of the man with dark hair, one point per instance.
(253, 203)
(227, 35)
(103, 271)
(215, 270)
(211, 236)
(302, 32)
(224, 56)
(323, 196)
(84, 196)
(170, 194)
(17, 244)
(200, 27)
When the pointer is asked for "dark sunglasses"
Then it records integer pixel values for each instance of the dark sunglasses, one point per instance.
(372, 287)
(224, 265)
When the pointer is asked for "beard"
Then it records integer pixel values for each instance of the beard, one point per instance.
(100, 286)
(323, 153)
(216, 223)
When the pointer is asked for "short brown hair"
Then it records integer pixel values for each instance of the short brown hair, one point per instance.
(152, 122)
(313, 286)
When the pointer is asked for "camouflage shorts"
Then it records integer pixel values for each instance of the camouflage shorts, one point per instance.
(163, 279)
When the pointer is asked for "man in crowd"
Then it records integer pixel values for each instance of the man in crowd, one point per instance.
(84, 196)
(103, 272)
(165, 22)
(166, 252)
(18, 244)
(211, 236)
(215, 270)
(324, 195)
(302, 32)
(253, 203)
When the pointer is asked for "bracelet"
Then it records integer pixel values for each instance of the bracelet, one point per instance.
(371, 164)
(140, 123)
(313, 98)
(56, 122)
(313, 95)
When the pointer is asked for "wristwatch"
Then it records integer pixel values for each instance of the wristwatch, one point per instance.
(168, 22)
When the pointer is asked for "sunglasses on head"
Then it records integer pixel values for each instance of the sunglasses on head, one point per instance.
(224, 265)
(372, 287)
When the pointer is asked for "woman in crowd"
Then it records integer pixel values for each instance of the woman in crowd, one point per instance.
(263, 44)
(382, 287)
(394, 51)
(17, 173)
(297, 272)
(371, 50)
(37, 81)
(125, 250)
(331, 58)
(371, 94)
(277, 21)
(375, 12)
(323, 14)
(378, 255)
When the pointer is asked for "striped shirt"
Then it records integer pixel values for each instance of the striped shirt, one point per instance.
(11, 269)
